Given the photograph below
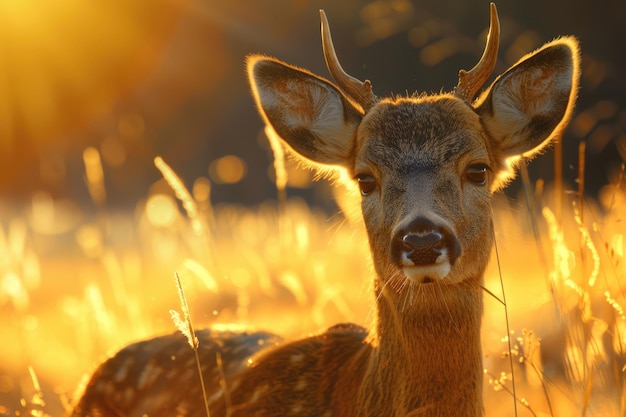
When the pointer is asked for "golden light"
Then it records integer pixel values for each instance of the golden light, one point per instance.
(229, 169)
(161, 210)
(65, 62)
(94, 174)
(89, 239)
(202, 190)
(73, 287)
(12, 288)
(240, 277)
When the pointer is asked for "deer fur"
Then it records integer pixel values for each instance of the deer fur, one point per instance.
(427, 166)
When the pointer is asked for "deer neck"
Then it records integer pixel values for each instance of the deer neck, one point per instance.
(427, 356)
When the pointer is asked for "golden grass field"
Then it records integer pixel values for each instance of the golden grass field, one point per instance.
(77, 286)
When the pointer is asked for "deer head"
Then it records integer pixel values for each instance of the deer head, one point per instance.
(426, 165)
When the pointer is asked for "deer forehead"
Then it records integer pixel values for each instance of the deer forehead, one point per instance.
(420, 134)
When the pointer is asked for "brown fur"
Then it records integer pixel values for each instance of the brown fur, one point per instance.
(423, 355)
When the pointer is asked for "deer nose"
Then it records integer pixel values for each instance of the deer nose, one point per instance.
(423, 243)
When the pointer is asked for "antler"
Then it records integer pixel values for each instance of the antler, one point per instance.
(359, 91)
(471, 81)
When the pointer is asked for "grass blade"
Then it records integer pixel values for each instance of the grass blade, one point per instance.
(186, 327)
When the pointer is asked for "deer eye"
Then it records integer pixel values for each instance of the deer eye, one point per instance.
(477, 174)
(367, 184)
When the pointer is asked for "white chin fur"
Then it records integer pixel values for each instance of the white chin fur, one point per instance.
(419, 274)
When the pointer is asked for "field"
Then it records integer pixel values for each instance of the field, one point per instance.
(77, 287)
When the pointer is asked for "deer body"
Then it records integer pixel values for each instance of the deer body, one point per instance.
(426, 167)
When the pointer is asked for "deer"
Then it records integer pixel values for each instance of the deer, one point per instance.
(427, 167)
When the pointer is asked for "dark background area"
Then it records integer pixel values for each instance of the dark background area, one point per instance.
(169, 80)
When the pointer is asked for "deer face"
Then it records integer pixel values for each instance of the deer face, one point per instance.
(426, 165)
(424, 171)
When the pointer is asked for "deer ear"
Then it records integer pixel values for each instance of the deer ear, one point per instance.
(309, 113)
(530, 103)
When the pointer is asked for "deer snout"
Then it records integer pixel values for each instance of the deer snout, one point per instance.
(424, 250)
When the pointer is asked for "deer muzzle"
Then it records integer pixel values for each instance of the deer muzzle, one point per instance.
(424, 250)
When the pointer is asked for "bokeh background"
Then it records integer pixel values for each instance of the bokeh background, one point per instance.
(90, 232)
(136, 79)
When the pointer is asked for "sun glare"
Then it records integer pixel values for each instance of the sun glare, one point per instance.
(65, 61)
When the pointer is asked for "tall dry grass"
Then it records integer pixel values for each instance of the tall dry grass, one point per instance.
(74, 287)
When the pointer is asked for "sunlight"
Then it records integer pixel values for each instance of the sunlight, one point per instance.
(63, 62)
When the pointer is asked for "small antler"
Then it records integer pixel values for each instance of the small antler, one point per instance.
(471, 81)
(360, 91)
